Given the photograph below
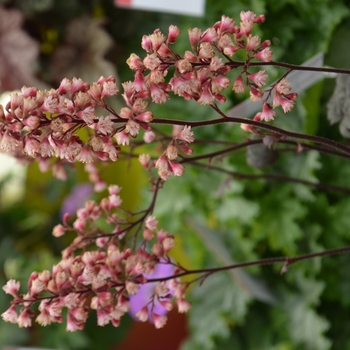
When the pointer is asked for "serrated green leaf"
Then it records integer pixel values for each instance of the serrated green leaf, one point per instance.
(212, 240)
(278, 221)
(217, 302)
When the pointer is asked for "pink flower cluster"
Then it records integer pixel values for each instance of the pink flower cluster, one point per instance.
(165, 163)
(102, 279)
(199, 74)
(281, 97)
(45, 124)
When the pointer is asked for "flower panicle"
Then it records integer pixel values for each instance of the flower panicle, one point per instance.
(201, 74)
(102, 279)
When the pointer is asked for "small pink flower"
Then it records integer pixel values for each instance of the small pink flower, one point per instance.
(206, 51)
(132, 128)
(238, 85)
(264, 55)
(257, 117)
(207, 97)
(45, 276)
(85, 155)
(105, 125)
(9, 142)
(158, 94)
(122, 138)
(144, 159)
(151, 223)
(247, 16)
(168, 244)
(37, 287)
(287, 104)
(72, 324)
(157, 250)
(79, 85)
(246, 27)
(194, 36)
(246, 127)
(109, 88)
(255, 94)
(226, 43)
(58, 231)
(10, 315)
(24, 319)
(31, 122)
(114, 189)
(44, 318)
(186, 134)
(183, 65)
(159, 321)
(174, 32)
(163, 167)
(12, 287)
(134, 62)
(168, 305)
(32, 147)
(258, 78)
(151, 62)
(161, 289)
(177, 168)
(162, 234)
(164, 51)
(16, 101)
(142, 315)
(145, 117)
(183, 305)
(219, 83)
(114, 201)
(65, 86)
(216, 63)
(29, 105)
(171, 152)
(252, 42)
(186, 150)
(95, 91)
(60, 278)
(157, 39)
(209, 36)
(149, 136)
(267, 113)
(277, 98)
(260, 19)
(148, 234)
(131, 287)
(29, 91)
(227, 25)
(146, 43)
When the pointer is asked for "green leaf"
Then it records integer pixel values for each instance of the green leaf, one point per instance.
(222, 254)
(303, 167)
(278, 220)
(297, 312)
(217, 302)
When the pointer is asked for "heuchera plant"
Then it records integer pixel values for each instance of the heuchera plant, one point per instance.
(103, 269)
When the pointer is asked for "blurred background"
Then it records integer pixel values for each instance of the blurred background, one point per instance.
(215, 218)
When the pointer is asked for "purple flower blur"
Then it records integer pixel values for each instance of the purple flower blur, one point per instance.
(76, 198)
(146, 291)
